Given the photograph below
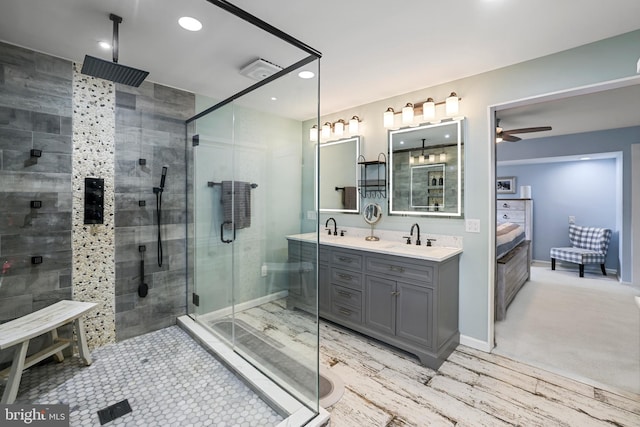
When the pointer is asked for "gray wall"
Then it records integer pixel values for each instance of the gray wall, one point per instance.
(35, 112)
(150, 125)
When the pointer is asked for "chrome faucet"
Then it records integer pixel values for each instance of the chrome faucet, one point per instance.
(418, 238)
(335, 226)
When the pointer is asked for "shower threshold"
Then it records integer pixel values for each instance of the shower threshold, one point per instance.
(295, 413)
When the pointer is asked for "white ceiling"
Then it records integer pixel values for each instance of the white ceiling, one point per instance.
(371, 49)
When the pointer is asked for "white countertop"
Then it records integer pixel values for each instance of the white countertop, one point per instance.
(429, 253)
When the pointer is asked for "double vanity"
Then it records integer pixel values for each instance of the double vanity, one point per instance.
(402, 294)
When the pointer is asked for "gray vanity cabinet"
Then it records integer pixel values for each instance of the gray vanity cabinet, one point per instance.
(407, 302)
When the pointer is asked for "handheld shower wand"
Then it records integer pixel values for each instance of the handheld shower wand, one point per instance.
(158, 192)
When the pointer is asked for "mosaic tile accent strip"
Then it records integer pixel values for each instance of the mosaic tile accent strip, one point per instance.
(167, 377)
(94, 246)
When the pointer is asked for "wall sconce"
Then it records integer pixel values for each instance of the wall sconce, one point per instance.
(326, 130)
(354, 125)
(407, 114)
(426, 109)
(443, 157)
(388, 117)
(338, 127)
(432, 158)
(429, 110)
(313, 133)
(451, 107)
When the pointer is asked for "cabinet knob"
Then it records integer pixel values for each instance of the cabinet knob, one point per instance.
(505, 205)
(505, 216)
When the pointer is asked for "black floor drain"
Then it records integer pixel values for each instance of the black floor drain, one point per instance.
(114, 411)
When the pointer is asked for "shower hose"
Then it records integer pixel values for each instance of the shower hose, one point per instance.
(158, 212)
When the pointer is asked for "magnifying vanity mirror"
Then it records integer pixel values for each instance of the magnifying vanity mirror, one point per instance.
(425, 170)
(339, 174)
(372, 213)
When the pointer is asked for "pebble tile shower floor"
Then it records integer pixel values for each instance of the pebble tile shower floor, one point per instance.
(168, 379)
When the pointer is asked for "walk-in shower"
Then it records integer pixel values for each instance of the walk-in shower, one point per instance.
(246, 184)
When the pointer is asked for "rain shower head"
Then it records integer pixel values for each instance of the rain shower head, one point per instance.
(113, 71)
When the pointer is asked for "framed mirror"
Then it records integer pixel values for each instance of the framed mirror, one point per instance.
(426, 170)
(339, 174)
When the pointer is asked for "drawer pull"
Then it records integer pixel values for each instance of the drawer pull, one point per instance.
(395, 293)
(396, 268)
(505, 216)
(505, 205)
(345, 259)
(344, 294)
(345, 311)
(345, 276)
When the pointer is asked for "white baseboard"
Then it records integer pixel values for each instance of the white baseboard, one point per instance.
(475, 343)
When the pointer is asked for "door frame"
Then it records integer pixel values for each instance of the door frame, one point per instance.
(550, 96)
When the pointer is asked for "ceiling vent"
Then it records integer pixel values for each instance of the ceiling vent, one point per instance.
(260, 69)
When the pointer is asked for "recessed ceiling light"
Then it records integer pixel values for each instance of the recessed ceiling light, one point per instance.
(104, 45)
(273, 98)
(306, 74)
(189, 23)
(585, 158)
(447, 136)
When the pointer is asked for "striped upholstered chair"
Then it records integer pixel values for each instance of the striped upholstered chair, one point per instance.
(589, 245)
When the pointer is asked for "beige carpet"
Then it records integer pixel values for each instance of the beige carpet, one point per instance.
(584, 328)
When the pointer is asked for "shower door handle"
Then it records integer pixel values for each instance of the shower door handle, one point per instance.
(222, 232)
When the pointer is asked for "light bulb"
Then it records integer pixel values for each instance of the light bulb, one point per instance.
(428, 110)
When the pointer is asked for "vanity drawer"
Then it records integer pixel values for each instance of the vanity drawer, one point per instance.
(510, 216)
(514, 205)
(346, 312)
(419, 271)
(343, 259)
(346, 278)
(346, 296)
(302, 250)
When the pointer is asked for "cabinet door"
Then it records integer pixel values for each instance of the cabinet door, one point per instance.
(380, 304)
(324, 289)
(415, 312)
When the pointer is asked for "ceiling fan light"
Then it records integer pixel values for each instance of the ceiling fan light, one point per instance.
(428, 110)
(451, 104)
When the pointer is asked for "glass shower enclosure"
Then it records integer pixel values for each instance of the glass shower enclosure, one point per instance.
(246, 184)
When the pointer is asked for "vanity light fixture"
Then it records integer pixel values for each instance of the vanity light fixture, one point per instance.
(326, 130)
(443, 157)
(407, 114)
(313, 133)
(388, 117)
(432, 158)
(354, 125)
(425, 109)
(429, 110)
(338, 127)
(451, 107)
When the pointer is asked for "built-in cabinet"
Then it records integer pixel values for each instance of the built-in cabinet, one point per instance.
(406, 302)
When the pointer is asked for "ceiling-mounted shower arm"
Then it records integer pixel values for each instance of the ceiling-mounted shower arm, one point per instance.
(116, 21)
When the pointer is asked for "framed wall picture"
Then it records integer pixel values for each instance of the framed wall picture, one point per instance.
(506, 185)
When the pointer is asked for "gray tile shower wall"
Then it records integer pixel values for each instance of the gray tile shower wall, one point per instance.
(35, 113)
(150, 125)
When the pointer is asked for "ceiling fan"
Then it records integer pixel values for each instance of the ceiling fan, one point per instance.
(507, 135)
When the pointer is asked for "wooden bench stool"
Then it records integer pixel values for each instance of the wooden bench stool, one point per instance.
(19, 332)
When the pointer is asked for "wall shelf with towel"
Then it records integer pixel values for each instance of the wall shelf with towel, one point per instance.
(373, 177)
